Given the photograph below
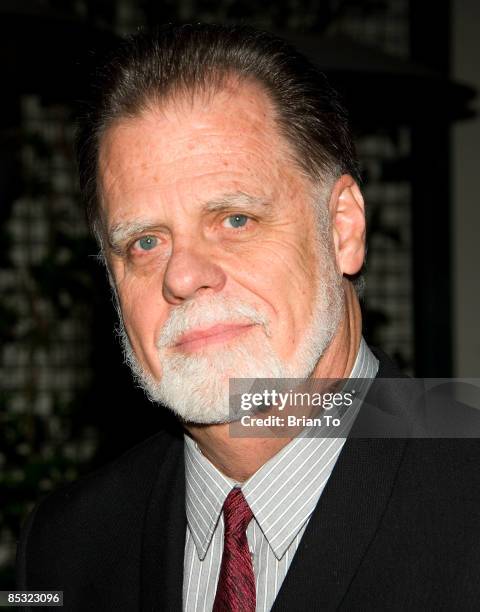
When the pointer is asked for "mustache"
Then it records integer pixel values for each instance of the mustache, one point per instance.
(207, 311)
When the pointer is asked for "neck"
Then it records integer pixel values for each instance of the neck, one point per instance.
(239, 458)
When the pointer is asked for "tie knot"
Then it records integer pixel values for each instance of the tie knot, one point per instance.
(236, 513)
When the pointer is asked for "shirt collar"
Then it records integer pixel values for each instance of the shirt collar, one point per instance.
(282, 493)
(206, 490)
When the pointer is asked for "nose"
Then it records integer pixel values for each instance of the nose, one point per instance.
(191, 270)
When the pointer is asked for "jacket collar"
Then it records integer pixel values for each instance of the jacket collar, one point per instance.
(164, 535)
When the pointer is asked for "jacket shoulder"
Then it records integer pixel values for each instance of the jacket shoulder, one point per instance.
(83, 520)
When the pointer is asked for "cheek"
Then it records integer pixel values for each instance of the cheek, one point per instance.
(293, 281)
(287, 265)
(143, 311)
(285, 283)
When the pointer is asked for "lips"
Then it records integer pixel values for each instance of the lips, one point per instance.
(214, 334)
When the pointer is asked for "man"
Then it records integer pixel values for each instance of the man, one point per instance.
(222, 187)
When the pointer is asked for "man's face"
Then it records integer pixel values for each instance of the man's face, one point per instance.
(214, 250)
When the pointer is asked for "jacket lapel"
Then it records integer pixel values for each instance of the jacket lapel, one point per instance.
(342, 526)
(164, 536)
(346, 518)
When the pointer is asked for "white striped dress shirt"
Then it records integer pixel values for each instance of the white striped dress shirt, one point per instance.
(282, 495)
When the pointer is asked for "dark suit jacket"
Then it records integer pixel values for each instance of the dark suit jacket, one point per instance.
(396, 528)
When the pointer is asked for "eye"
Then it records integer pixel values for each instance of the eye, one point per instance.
(146, 243)
(235, 221)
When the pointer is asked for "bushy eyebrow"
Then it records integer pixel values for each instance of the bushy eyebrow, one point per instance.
(236, 199)
(120, 233)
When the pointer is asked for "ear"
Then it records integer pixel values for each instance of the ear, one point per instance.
(347, 211)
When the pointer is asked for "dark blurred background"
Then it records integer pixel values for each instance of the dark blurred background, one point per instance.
(408, 72)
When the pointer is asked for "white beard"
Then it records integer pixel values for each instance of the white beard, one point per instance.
(196, 387)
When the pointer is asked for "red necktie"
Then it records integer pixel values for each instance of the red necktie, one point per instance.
(236, 583)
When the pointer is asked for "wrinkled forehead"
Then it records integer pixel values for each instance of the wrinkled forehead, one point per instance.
(240, 110)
